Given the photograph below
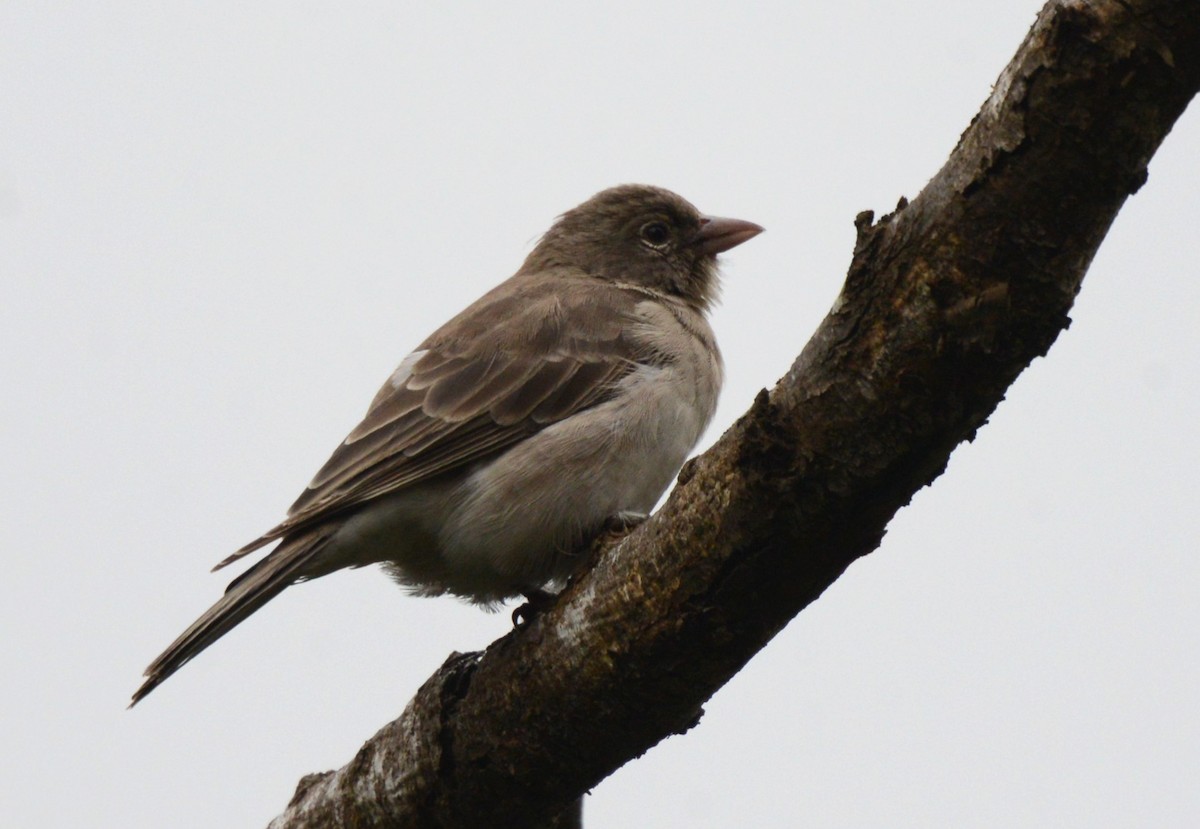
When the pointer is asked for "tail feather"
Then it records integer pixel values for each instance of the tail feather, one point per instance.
(247, 593)
(261, 541)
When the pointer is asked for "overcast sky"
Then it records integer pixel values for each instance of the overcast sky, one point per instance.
(222, 225)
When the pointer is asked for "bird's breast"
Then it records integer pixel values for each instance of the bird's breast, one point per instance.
(521, 512)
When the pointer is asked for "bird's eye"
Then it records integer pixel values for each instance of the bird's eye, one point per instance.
(656, 234)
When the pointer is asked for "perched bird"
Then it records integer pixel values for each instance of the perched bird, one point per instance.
(565, 398)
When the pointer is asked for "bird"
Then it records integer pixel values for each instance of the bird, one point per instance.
(563, 400)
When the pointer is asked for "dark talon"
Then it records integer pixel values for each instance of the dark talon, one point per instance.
(537, 602)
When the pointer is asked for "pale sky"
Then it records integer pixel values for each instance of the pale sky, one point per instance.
(222, 225)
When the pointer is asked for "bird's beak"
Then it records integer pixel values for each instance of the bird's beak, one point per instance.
(718, 234)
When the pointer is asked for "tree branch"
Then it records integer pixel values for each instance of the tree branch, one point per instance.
(947, 300)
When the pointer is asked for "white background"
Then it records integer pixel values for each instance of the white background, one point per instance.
(221, 225)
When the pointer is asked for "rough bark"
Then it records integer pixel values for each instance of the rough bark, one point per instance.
(947, 300)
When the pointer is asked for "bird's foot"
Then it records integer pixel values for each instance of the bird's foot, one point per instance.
(537, 602)
(622, 522)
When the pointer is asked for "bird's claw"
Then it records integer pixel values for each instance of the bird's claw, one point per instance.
(537, 602)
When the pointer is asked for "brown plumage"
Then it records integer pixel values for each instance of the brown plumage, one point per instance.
(566, 395)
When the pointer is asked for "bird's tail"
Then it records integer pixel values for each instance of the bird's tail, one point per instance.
(284, 566)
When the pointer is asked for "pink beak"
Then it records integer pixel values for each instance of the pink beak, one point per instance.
(718, 234)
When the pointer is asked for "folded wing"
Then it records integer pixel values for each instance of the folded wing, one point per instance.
(502, 370)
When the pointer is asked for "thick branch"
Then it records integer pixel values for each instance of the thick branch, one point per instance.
(947, 300)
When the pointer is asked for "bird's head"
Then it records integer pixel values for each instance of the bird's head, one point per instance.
(646, 236)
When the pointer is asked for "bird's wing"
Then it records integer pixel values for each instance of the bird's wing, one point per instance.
(508, 366)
